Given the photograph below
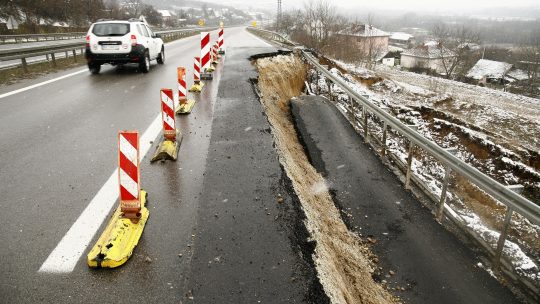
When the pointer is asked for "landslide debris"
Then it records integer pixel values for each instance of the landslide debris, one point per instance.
(341, 260)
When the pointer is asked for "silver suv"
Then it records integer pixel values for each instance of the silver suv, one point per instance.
(122, 42)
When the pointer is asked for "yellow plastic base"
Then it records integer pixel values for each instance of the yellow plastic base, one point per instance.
(115, 246)
(211, 69)
(168, 149)
(185, 108)
(197, 88)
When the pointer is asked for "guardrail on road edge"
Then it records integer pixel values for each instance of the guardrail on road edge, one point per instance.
(513, 201)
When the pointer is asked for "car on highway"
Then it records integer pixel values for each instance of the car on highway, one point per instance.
(119, 42)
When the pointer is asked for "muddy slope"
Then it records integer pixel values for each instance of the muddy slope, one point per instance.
(341, 260)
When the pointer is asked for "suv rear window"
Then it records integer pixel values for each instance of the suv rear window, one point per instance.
(110, 29)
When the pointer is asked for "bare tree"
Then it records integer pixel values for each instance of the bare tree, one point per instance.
(529, 60)
(454, 45)
(319, 19)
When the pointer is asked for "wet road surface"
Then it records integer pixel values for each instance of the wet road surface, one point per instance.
(59, 148)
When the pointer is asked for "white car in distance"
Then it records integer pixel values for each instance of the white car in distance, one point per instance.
(118, 42)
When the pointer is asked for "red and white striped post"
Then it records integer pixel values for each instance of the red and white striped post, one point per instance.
(197, 84)
(214, 53)
(220, 41)
(182, 86)
(128, 174)
(197, 70)
(205, 52)
(185, 105)
(167, 112)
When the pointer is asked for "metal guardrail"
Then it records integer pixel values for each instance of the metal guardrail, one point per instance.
(4, 39)
(506, 195)
(23, 53)
(499, 191)
(273, 36)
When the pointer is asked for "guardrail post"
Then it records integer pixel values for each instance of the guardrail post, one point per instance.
(329, 85)
(350, 104)
(317, 82)
(442, 200)
(74, 56)
(385, 132)
(24, 65)
(67, 55)
(504, 232)
(366, 132)
(410, 157)
(53, 58)
(502, 239)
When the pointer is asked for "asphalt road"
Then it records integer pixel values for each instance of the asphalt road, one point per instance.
(58, 147)
(414, 251)
(218, 230)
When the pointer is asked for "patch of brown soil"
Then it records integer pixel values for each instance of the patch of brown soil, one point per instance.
(342, 262)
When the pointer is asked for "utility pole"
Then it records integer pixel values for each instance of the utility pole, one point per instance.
(278, 15)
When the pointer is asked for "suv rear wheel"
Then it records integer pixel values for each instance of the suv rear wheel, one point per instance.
(144, 64)
(94, 68)
(161, 56)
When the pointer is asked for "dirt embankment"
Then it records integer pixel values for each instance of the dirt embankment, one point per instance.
(342, 262)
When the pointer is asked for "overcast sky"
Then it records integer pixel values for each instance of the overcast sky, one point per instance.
(406, 5)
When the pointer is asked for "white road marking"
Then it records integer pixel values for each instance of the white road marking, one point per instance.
(73, 245)
(41, 84)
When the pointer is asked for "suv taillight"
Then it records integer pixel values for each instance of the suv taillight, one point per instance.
(88, 40)
(133, 40)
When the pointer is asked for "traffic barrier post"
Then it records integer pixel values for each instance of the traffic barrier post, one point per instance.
(221, 40)
(206, 68)
(172, 137)
(115, 246)
(197, 83)
(215, 55)
(184, 105)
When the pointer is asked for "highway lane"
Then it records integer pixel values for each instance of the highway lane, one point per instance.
(58, 147)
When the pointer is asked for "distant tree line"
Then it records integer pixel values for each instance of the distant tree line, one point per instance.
(76, 13)
(317, 25)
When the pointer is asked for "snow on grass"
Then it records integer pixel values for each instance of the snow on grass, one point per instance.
(406, 100)
(521, 262)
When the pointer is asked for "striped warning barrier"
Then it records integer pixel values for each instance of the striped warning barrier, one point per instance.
(167, 112)
(115, 246)
(197, 69)
(221, 41)
(168, 148)
(215, 53)
(197, 84)
(185, 105)
(128, 173)
(206, 68)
